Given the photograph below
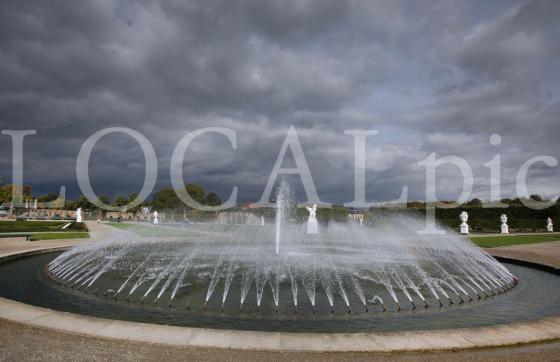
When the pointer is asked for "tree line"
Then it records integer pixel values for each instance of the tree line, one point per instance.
(164, 199)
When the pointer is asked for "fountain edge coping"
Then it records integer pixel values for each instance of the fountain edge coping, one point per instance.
(546, 329)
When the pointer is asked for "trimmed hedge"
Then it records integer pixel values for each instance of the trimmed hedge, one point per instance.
(77, 226)
(520, 218)
(30, 226)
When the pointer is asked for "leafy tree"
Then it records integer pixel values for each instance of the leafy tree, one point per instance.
(474, 202)
(70, 204)
(7, 191)
(212, 199)
(131, 198)
(414, 205)
(120, 201)
(196, 192)
(166, 199)
(84, 203)
(47, 197)
(516, 202)
(104, 199)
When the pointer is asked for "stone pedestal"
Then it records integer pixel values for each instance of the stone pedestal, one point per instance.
(505, 229)
(312, 227)
(464, 217)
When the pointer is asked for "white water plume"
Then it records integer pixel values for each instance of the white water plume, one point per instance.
(343, 262)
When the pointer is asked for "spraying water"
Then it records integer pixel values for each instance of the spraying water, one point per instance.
(282, 208)
(258, 263)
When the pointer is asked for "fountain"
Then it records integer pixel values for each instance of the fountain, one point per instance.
(287, 266)
(282, 207)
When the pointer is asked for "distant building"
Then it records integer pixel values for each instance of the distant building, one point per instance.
(237, 217)
(255, 205)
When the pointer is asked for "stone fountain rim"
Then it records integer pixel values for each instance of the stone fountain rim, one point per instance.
(542, 330)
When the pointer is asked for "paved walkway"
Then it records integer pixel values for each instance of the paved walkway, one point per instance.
(23, 343)
(17, 244)
(547, 253)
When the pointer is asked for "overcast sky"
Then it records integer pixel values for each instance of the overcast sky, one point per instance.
(430, 76)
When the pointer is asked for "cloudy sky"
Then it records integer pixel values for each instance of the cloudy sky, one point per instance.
(430, 76)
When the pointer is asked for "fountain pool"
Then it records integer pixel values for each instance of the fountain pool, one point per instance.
(280, 277)
(535, 297)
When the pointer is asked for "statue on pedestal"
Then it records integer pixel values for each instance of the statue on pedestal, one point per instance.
(312, 226)
(79, 215)
(156, 221)
(464, 217)
(504, 227)
(549, 225)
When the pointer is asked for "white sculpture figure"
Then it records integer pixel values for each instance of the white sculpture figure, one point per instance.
(464, 217)
(312, 226)
(156, 221)
(11, 210)
(505, 228)
(35, 205)
(549, 225)
(361, 219)
(79, 215)
(262, 220)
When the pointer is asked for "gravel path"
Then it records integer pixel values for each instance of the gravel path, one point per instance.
(22, 343)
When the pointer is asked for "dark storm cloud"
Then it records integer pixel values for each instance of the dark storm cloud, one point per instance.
(438, 77)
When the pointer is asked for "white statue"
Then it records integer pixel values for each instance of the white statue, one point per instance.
(156, 221)
(361, 219)
(262, 220)
(312, 226)
(79, 215)
(505, 227)
(549, 225)
(464, 217)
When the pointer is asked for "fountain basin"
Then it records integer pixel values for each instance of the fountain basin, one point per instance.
(526, 331)
(535, 297)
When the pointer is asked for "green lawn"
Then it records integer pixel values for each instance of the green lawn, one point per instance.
(499, 240)
(30, 226)
(54, 236)
(152, 230)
